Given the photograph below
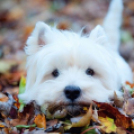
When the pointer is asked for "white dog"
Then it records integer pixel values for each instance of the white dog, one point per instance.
(69, 70)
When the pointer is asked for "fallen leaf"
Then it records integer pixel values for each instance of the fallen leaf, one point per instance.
(3, 97)
(106, 110)
(60, 114)
(129, 107)
(22, 90)
(26, 126)
(89, 130)
(127, 94)
(118, 102)
(5, 131)
(6, 106)
(19, 121)
(108, 124)
(40, 121)
(56, 128)
(1, 125)
(84, 121)
(120, 130)
(130, 84)
(95, 116)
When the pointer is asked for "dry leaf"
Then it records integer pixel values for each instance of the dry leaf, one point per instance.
(84, 121)
(108, 124)
(6, 106)
(129, 107)
(3, 97)
(106, 110)
(118, 101)
(130, 84)
(40, 121)
(19, 121)
(119, 130)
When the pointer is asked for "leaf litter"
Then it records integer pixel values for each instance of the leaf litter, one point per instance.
(107, 118)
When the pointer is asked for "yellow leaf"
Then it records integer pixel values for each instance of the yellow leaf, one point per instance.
(40, 121)
(108, 124)
(22, 86)
(84, 121)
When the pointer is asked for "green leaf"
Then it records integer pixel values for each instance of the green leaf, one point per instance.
(22, 86)
(26, 126)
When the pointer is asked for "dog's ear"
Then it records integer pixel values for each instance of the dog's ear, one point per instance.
(37, 38)
(98, 35)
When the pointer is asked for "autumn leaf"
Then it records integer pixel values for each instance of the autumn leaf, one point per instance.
(84, 121)
(40, 121)
(16, 104)
(108, 124)
(129, 87)
(26, 126)
(120, 130)
(129, 107)
(89, 130)
(22, 90)
(118, 101)
(1, 125)
(3, 97)
(106, 110)
(19, 121)
(6, 106)
(130, 84)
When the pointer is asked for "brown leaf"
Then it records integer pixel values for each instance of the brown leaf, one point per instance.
(52, 122)
(118, 101)
(19, 121)
(120, 130)
(3, 97)
(127, 94)
(5, 131)
(40, 121)
(106, 110)
(129, 107)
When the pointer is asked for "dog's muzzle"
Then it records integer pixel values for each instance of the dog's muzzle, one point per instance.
(72, 92)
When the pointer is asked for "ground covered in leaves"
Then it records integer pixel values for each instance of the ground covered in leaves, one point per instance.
(17, 20)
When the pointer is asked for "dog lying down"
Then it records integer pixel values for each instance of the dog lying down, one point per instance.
(68, 70)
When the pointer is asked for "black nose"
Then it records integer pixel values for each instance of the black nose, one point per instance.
(72, 92)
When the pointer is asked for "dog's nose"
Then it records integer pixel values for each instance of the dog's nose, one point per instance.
(72, 92)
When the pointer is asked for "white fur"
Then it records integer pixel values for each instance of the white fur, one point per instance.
(112, 23)
(72, 54)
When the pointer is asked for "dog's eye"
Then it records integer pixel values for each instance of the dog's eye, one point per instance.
(55, 73)
(90, 71)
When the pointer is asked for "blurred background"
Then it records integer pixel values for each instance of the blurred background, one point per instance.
(18, 18)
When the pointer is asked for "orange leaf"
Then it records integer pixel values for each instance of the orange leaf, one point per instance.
(40, 121)
(17, 104)
(1, 126)
(130, 84)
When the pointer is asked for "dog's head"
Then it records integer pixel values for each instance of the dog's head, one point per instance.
(68, 70)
